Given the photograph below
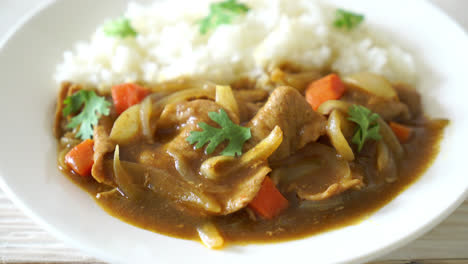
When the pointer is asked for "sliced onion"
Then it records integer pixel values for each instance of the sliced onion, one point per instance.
(264, 149)
(215, 167)
(371, 83)
(127, 126)
(226, 99)
(180, 84)
(331, 176)
(123, 179)
(299, 81)
(69, 141)
(385, 162)
(390, 139)
(61, 158)
(210, 236)
(330, 105)
(212, 167)
(184, 95)
(383, 156)
(183, 167)
(145, 114)
(334, 132)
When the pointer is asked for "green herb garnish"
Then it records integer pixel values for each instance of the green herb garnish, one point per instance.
(235, 134)
(222, 13)
(346, 19)
(367, 122)
(120, 27)
(92, 107)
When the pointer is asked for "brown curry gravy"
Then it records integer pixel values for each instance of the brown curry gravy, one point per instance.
(158, 215)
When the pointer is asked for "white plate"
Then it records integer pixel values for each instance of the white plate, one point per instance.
(27, 156)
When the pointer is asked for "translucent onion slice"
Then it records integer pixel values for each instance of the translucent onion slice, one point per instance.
(390, 139)
(69, 141)
(371, 83)
(263, 150)
(226, 99)
(316, 173)
(345, 182)
(61, 158)
(334, 131)
(145, 114)
(330, 105)
(180, 84)
(386, 163)
(184, 95)
(215, 167)
(210, 236)
(183, 167)
(123, 179)
(299, 81)
(127, 126)
(383, 156)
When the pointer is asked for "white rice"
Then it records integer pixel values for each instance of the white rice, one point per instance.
(273, 32)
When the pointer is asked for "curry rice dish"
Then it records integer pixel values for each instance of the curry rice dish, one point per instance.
(281, 156)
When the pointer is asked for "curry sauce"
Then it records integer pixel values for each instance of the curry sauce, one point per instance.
(161, 214)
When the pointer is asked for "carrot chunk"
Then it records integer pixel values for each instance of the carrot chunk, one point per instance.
(80, 158)
(126, 95)
(269, 202)
(402, 132)
(327, 88)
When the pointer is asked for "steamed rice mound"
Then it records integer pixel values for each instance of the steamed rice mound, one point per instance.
(272, 33)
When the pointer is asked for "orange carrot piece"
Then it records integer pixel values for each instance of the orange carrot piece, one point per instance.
(327, 88)
(80, 158)
(269, 202)
(126, 95)
(402, 132)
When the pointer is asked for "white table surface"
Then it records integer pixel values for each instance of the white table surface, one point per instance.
(21, 240)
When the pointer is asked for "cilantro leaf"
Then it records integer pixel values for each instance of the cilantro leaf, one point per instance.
(346, 19)
(235, 134)
(120, 27)
(367, 122)
(92, 105)
(73, 103)
(222, 13)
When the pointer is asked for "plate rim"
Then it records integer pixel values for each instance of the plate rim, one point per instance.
(389, 247)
